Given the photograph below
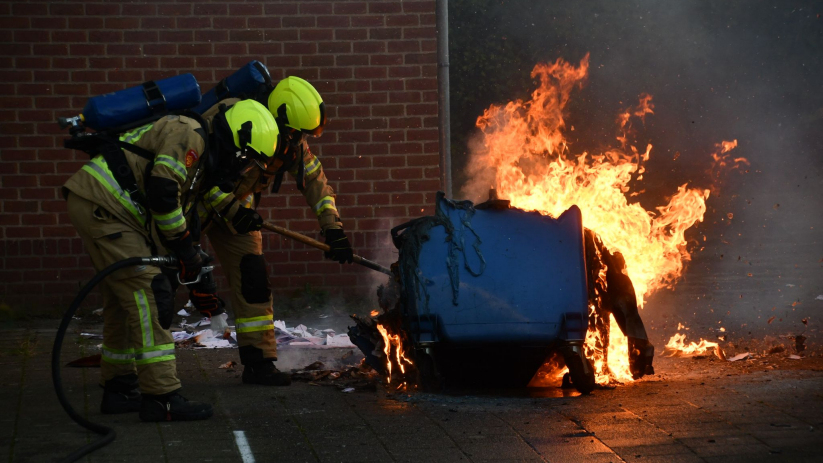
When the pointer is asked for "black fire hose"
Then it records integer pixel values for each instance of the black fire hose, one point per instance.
(108, 433)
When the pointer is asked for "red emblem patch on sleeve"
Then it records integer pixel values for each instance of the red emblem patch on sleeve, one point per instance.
(191, 158)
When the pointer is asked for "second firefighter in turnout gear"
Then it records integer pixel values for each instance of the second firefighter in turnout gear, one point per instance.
(229, 205)
(133, 203)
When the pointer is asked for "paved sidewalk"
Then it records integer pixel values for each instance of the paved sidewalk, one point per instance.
(694, 411)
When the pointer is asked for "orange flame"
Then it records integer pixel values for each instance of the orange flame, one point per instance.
(525, 157)
(390, 340)
(677, 347)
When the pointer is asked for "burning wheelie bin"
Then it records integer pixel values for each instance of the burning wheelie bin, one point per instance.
(488, 292)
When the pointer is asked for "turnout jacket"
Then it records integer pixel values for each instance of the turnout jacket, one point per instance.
(177, 142)
(318, 193)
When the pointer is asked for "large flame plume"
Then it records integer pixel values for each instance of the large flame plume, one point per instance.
(525, 156)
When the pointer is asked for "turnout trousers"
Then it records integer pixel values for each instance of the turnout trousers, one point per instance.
(133, 339)
(241, 257)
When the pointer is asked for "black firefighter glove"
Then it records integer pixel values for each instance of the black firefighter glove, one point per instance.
(203, 297)
(340, 247)
(189, 257)
(246, 220)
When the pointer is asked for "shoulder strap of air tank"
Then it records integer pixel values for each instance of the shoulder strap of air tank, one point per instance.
(119, 167)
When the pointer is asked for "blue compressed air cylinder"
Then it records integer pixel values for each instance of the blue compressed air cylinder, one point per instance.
(243, 83)
(131, 105)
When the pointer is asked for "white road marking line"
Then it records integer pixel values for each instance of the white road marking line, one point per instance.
(243, 446)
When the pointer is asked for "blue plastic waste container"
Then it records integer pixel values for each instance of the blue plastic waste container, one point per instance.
(494, 286)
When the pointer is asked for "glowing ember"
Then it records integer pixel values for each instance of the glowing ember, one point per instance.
(677, 347)
(389, 341)
(525, 157)
(374, 313)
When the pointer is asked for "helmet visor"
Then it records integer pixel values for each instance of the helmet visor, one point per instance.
(317, 131)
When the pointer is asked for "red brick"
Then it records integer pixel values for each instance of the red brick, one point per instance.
(265, 22)
(122, 23)
(174, 9)
(30, 36)
(132, 63)
(370, 72)
(122, 75)
(351, 60)
(211, 62)
(105, 36)
(333, 21)
(229, 49)
(368, 21)
(69, 36)
(29, 9)
(141, 36)
(177, 62)
(350, 8)
(280, 9)
(176, 36)
(351, 34)
(211, 36)
(299, 48)
(139, 9)
(299, 22)
(428, 19)
(385, 60)
(19, 49)
(371, 174)
(317, 61)
(124, 50)
(421, 84)
(210, 9)
(424, 159)
(85, 23)
(402, 20)
(157, 22)
(386, 33)
(188, 22)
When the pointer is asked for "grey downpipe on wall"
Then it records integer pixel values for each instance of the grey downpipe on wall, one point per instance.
(443, 106)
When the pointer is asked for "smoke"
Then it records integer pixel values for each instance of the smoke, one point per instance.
(718, 70)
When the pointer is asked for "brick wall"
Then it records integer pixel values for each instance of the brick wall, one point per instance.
(374, 62)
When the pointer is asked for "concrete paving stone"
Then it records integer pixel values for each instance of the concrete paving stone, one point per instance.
(656, 450)
(721, 441)
(678, 458)
(711, 450)
(412, 440)
(430, 455)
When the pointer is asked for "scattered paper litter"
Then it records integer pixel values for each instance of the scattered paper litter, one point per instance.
(795, 357)
(819, 298)
(91, 335)
(229, 364)
(790, 285)
(303, 336)
(742, 356)
(348, 389)
(340, 340)
(181, 336)
(97, 312)
(183, 313)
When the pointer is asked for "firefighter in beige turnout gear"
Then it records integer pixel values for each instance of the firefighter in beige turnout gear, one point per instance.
(115, 224)
(234, 225)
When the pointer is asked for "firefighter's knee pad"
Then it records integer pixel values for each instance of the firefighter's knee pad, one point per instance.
(254, 279)
(164, 299)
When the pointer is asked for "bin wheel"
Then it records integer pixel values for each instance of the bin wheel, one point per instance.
(580, 370)
(428, 377)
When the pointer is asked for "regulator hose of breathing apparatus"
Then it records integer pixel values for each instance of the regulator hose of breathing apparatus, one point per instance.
(108, 434)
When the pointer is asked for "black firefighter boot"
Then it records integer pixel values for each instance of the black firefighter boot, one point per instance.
(120, 395)
(641, 356)
(260, 370)
(173, 407)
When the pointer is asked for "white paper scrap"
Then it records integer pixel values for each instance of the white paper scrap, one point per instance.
(183, 313)
(348, 389)
(795, 357)
(341, 340)
(742, 356)
(181, 336)
(819, 298)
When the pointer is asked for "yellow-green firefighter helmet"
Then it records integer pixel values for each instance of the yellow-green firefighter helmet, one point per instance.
(296, 104)
(252, 125)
